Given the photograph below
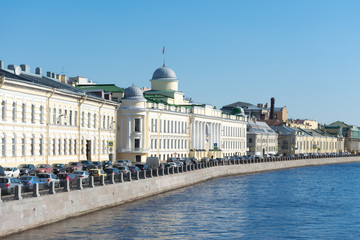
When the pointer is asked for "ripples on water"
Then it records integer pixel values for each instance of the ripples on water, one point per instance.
(303, 203)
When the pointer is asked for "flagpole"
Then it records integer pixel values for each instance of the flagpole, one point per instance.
(164, 54)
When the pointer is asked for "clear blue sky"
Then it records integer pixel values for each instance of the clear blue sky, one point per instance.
(304, 53)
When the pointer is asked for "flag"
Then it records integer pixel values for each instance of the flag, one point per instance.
(163, 50)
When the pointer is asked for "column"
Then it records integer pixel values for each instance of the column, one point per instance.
(128, 132)
(143, 132)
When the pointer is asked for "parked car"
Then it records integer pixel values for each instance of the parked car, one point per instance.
(124, 169)
(12, 172)
(71, 177)
(110, 171)
(186, 161)
(171, 164)
(44, 168)
(29, 182)
(81, 174)
(107, 164)
(73, 166)
(194, 160)
(205, 159)
(120, 163)
(47, 178)
(97, 164)
(96, 173)
(86, 165)
(27, 169)
(2, 171)
(142, 166)
(8, 184)
(134, 169)
(58, 168)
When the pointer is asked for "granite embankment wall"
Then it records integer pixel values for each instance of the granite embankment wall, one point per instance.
(19, 215)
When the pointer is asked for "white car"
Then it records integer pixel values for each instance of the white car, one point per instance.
(81, 174)
(12, 171)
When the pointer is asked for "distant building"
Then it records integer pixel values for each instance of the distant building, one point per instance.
(45, 120)
(299, 141)
(302, 123)
(162, 122)
(106, 91)
(350, 133)
(261, 139)
(260, 112)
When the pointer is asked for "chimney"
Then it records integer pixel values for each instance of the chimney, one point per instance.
(38, 71)
(25, 68)
(63, 78)
(266, 105)
(1, 64)
(11, 67)
(272, 108)
(48, 74)
(53, 75)
(260, 105)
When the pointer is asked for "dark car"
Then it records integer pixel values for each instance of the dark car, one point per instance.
(86, 165)
(97, 164)
(142, 166)
(27, 169)
(29, 182)
(110, 171)
(2, 171)
(107, 164)
(133, 169)
(73, 166)
(71, 177)
(58, 168)
(185, 161)
(8, 184)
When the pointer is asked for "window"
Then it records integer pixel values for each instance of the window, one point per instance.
(3, 146)
(54, 147)
(137, 143)
(41, 146)
(3, 111)
(112, 123)
(250, 140)
(76, 118)
(75, 147)
(70, 145)
(94, 120)
(137, 124)
(108, 122)
(32, 113)
(59, 147)
(70, 118)
(41, 114)
(65, 117)
(60, 117)
(14, 146)
(23, 112)
(23, 146)
(14, 112)
(89, 116)
(54, 116)
(32, 146)
(65, 147)
(82, 119)
(104, 121)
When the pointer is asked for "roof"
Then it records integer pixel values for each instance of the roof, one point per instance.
(259, 128)
(105, 87)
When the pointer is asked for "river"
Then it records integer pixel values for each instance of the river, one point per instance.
(321, 202)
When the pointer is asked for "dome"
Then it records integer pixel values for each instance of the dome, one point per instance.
(237, 111)
(164, 72)
(133, 93)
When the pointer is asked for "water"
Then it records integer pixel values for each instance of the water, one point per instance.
(303, 203)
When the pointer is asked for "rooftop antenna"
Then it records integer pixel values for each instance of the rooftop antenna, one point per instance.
(163, 52)
(63, 71)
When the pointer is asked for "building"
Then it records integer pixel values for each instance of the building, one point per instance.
(45, 120)
(302, 123)
(261, 139)
(299, 141)
(259, 112)
(162, 122)
(349, 133)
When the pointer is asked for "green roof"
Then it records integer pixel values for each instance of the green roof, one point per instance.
(105, 87)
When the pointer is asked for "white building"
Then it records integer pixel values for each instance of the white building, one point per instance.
(44, 120)
(160, 122)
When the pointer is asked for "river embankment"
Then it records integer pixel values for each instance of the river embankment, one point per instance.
(31, 212)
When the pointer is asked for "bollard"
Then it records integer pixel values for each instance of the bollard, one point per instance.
(18, 189)
(151, 173)
(145, 172)
(67, 185)
(36, 190)
(91, 181)
(52, 188)
(102, 180)
(157, 172)
(121, 176)
(112, 178)
(177, 169)
(79, 184)
(0, 197)
(172, 170)
(137, 175)
(162, 172)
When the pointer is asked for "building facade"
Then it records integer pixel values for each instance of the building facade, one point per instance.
(261, 139)
(44, 120)
(161, 122)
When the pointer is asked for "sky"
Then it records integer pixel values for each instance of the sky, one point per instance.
(304, 53)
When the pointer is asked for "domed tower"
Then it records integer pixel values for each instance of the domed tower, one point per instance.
(133, 98)
(164, 79)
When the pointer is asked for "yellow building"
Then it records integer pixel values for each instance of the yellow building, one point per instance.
(44, 120)
(160, 122)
